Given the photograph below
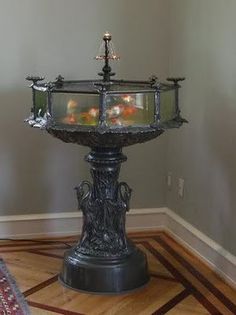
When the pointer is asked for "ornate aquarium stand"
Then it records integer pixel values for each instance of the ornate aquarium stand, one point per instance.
(105, 260)
(105, 115)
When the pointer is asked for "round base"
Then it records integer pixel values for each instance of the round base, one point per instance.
(103, 275)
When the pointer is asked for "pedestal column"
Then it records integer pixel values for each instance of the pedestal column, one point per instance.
(104, 260)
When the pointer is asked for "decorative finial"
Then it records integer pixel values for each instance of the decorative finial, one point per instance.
(59, 81)
(34, 79)
(106, 53)
(153, 80)
(107, 36)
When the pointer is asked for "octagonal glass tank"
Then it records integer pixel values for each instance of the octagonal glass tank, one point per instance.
(114, 105)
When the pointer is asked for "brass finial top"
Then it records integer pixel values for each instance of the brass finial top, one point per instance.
(107, 36)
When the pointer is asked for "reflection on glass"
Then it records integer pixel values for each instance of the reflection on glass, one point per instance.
(75, 109)
(130, 109)
(167, 107)
(40, 103)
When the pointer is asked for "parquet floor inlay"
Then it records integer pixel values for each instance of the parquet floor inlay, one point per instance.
(181, 284)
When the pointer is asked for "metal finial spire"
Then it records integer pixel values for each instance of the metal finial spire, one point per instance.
(106, 53)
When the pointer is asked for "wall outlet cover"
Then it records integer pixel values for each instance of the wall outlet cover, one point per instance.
(181, 187)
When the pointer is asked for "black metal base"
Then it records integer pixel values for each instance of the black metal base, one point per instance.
(104, 276)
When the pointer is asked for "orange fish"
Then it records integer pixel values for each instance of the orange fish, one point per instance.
(129, 110)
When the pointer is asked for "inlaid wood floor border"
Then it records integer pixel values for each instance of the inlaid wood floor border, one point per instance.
(162, 248)
(52, 308)
(231, 306)
(38, 252)
(41, 286)
(183, 280)
(35, 248)
(172, 303)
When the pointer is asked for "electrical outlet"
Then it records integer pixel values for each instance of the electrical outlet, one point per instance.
(181, 187)
(169, 180)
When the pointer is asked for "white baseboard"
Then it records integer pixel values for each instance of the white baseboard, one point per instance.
(69, 223)
(219, 259)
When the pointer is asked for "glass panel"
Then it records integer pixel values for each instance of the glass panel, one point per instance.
(40, 103)
(75, 109)
(130, 109)
(167, 107)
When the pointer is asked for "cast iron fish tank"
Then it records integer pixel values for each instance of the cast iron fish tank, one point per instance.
(106, 115)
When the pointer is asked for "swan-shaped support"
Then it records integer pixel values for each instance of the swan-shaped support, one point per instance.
(123, 196)
(84, 196)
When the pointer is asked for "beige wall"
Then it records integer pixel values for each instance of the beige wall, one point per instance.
(48, 37)
(203, 153)
(197, 37)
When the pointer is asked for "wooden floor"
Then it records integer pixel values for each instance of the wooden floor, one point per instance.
(180, 283)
